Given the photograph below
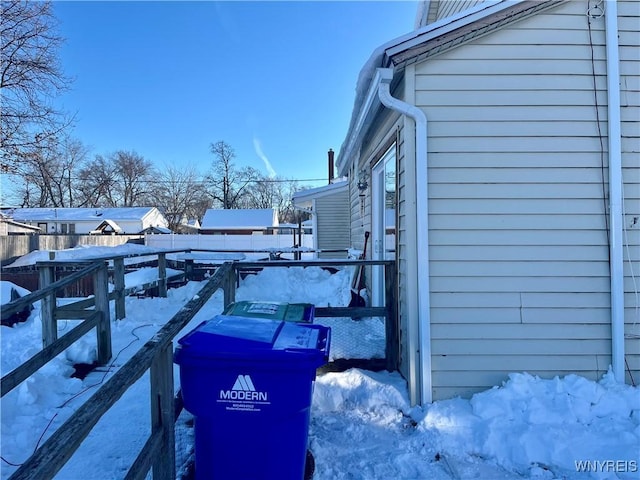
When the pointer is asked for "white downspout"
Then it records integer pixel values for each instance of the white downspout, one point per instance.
(421, 202)
(615, 191)
(314, 227)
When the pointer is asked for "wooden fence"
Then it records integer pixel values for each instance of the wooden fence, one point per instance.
(52, 345)
(158, 453)
(14, 246)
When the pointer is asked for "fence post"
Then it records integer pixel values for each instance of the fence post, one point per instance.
(391, 322)
(103, 329)
(229, 288)
(162, 413)
(48, 312)
(188, 269)
(118, 281)
(162, 275)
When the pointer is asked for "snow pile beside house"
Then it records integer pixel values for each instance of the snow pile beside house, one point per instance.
(529, 427)
(296, 284)
(363, 338)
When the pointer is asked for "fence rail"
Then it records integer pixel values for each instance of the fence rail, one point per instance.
(15, 306)
(156, 356)
(52, 345)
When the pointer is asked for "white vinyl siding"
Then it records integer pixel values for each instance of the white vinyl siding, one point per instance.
(332, 228)
(518, 240)
(401, 252)
(447, 8)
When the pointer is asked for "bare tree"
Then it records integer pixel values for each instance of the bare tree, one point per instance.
(262, 193)
(272, 193)
(30, 76)
(286, 212)
(49, 173)
(179, 194)
(96, 182)
(135, 178)
(73, 154)
(123, 179)
(227, 184)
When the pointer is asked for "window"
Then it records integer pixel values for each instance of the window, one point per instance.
(68, 228)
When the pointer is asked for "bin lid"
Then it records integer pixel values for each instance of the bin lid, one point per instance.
(227, 336)
(293, 312)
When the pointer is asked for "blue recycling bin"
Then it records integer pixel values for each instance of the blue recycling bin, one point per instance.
(248, 383)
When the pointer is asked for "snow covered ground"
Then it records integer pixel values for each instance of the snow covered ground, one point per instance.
(362, 425)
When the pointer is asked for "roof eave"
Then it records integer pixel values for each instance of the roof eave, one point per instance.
(365, 113)
(446, 33)
(304, 195)
(473, 25)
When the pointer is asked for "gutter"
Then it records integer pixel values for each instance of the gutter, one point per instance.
(616, 219)
(384, 76)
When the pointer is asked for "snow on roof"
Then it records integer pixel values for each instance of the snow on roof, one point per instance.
(311, 193)
(256, 218)
(9, 221)
(77, 214)
(107, 225)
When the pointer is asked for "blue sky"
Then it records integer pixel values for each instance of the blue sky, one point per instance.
(273, 79)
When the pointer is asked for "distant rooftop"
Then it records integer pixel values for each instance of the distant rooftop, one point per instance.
(77, 214)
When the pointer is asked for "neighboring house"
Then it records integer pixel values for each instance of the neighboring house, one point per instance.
(330, 217)
(189, 226)
(512, 127)
(82, 221)
(240, 221)
(11, 227)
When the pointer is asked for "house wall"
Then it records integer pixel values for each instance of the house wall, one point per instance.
(154, 218)
(447, 8)
(518, 239)
(332, 224)
(129, 227)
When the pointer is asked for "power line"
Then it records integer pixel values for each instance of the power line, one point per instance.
(204, 182)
